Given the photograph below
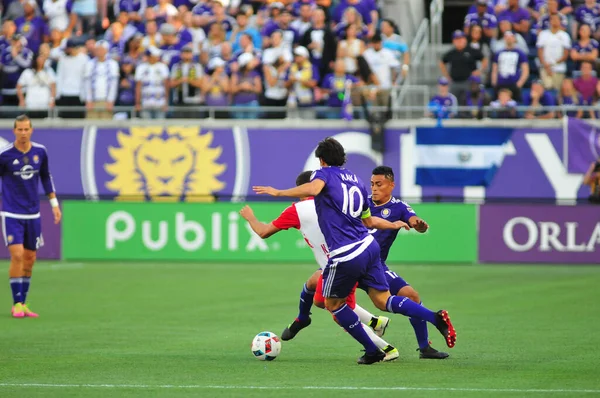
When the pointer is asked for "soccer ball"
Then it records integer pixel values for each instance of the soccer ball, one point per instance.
(266, 346)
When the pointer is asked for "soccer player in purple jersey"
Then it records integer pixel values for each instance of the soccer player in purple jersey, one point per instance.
(341, 201)
(384, 205)
(23, 164)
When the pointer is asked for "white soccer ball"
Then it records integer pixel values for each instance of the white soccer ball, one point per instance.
(266, 346)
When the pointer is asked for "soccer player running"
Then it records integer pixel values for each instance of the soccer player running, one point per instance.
(384, 205)
(303, 217)
(341, 201)
(22, 165)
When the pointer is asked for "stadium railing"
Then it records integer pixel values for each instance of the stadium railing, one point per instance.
(436, 10)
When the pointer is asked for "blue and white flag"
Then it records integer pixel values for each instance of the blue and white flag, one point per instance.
(459, 157)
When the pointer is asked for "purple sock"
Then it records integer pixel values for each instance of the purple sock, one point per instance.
(306, 302)
(405, 306)
(350, 322)
(25, 287)
(420, 327)
(16, 287)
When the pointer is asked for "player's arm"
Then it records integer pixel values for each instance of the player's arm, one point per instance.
(379, 223)
(48, 185)
(260, 228)
(312, 188)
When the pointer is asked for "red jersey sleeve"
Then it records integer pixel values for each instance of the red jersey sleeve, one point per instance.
(288, 219)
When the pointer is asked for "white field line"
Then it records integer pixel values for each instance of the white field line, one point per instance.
(298, 388)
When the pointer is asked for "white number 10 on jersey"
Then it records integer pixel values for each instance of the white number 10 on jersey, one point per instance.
(350, 202)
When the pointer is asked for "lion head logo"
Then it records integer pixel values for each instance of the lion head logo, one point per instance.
(165, 164)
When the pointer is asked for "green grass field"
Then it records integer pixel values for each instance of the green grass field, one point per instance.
(180, 329)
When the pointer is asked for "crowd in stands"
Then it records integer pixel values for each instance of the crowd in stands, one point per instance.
(165, 58)
(514, 53)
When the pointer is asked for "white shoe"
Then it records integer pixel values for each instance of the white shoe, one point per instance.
(391, 353)
(382, 324)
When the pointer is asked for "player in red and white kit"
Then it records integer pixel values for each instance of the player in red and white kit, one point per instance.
(303, 217)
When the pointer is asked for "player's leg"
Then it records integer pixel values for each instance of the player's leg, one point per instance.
(377, 323)
(339, 279)
(399, 287)
(32, 241)
(306, 301)
(319, 300)
(13, 230)
(376, 282)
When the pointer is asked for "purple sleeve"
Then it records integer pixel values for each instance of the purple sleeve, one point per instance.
(327, 82)
(338, 13)
(268, 29)
(319, 174)
(495, 57)
(406, 212)
(353, 79)
(366, 14)
(594, 43)
(45, 175)
(564, 3)
(523, 15)
(69, 7)
(493, 22)
(44, 27)
(296, 35)
(522, 57)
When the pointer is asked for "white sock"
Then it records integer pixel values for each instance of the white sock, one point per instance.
(364, 315)
(379, 342)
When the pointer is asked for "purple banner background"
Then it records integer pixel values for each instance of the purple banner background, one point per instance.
(51, 233)
(584, 145)
(268, 156)
(539, 234)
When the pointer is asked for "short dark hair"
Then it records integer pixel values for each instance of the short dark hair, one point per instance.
(331, 152)
(22, 118)
(303, 177)
(376, 38)
(385, 171)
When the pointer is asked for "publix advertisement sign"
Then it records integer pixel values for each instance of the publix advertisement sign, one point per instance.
(216, 232)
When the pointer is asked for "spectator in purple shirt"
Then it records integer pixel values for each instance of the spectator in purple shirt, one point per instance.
(366, 8)
(8, 31)
(487, 21)
(586, 83)
(518, 16)
(584, 49)
(217, 88)
(504, 107)
(183, 34)
(220, 17)
(543, 22)
(588, 13)
(538, 7)
(32, 27)
(351, 17)
(569, 99)
(538, 97)
(290, 35)
(135, 11)
(171, 46)
(126, 94)
(334, 87)
(246, 86)
(510, 68)
(14, 60)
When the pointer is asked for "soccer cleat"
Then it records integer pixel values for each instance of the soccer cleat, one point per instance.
(17, 311)
(431, 353)
(445, 327)
(391, 353)
(381, 325)
(369, 359)
(28, 312)
(291, 331)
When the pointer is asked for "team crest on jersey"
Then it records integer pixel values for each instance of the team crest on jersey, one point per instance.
(165, 164)
(10, 238)
(36, 159)
(385, 213)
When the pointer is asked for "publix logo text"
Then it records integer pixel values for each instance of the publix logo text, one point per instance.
(223, 232)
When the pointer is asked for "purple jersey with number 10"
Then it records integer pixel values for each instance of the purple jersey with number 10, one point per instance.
(340, 207)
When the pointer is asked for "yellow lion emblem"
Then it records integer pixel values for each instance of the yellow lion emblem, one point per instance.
(165, 164)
